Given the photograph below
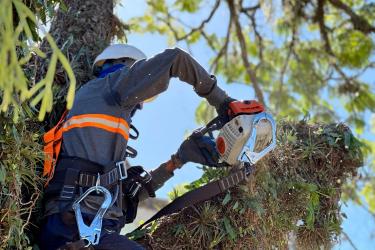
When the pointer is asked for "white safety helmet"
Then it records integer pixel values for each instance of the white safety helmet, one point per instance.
(117, 51)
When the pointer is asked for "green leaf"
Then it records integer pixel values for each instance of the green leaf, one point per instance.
(3, 174)
(154, 226)
(368, 192)
(159, 5)
(229, 229)
(193, 38)
(63, 6)
(347, 139)
(311, 187)
(136, 234)
(177, 191)
(235, 206)
(188, 5)
(204, 113)
(227, 198)
(353, 48)
(178, 229)
(314, 199)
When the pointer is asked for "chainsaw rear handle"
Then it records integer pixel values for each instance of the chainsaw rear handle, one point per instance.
(214, 124)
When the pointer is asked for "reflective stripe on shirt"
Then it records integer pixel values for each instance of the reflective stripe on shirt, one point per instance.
(105, 122)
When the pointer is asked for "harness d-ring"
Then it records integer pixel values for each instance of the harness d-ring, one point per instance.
(91, 233)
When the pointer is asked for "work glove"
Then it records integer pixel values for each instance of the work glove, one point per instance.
(137, 179)
(200, 149)
(224, 110)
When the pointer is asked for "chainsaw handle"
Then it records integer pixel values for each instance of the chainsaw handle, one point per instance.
(214, 124)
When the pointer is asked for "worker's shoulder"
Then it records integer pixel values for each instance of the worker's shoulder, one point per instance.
(175, 50)
(100, 83)
(92, 89)
(92, 86)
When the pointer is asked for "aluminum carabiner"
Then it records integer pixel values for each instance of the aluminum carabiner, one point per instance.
(91, 233)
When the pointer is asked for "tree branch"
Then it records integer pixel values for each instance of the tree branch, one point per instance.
(250, 9)
(250, 13)
(209, 42)
(204, 22)
(250, 71)
(349, 240)
(168, 23)
(359, 23)
(319, 17)
(224, 48)
(286, 63)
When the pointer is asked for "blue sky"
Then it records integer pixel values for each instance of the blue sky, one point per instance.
(164, 123)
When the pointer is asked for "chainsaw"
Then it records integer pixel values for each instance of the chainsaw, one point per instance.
(248, 136)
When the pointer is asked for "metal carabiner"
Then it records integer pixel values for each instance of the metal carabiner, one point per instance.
(92, 233)
(249, 152)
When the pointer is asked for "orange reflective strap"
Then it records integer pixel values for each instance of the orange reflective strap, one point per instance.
(52, 140)
(105, 122)
(101, 116)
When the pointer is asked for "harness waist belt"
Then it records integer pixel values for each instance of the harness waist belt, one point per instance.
(107, 179)
(75, 172)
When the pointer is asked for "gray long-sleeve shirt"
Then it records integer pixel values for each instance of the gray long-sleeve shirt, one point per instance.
(109, 102)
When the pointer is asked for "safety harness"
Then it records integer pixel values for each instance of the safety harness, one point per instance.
(74, 175)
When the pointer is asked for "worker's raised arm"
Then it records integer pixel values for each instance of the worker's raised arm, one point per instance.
(147, 78)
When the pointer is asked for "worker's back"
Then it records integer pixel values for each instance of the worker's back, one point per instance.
(97, 126)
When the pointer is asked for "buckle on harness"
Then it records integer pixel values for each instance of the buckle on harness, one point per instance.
(146, 176)
(121, 166)
(91, 233)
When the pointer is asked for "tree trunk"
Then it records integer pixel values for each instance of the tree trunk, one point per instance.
(81, 32)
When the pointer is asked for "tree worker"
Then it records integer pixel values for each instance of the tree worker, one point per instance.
(93, 138)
